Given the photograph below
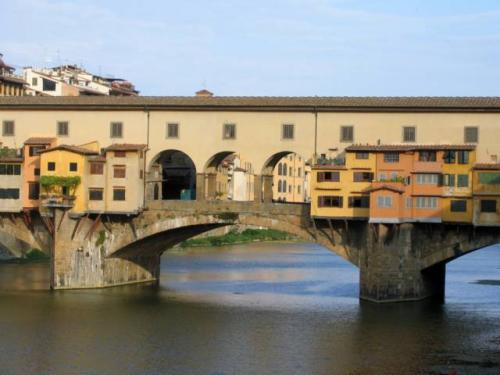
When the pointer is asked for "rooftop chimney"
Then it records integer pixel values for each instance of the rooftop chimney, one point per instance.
(204, 93)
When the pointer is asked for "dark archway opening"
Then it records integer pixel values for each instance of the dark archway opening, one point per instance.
(178, 175)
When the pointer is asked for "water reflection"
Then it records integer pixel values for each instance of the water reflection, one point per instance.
(250, 309)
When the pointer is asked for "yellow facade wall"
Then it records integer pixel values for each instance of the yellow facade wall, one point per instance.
(62, 160)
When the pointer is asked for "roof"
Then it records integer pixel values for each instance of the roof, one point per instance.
(403, 148)
(125, 147)
(261, 103)
(487, 166)
(71, 148)
(39, 141)
(11, 160)
(98, 158)
(384, 187)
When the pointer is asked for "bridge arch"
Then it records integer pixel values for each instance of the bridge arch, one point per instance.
(171, 176)
(284, 178)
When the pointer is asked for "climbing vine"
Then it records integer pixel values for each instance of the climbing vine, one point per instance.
(51, 182)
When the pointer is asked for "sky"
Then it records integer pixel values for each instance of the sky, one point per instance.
(266, 47)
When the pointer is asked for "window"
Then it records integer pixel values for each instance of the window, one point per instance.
(330, 201)
(173, 130)
(36, 171)
(458, 206)
(280, 188)
(280, 169)
(8, 128)
(289, 188)
(298, 189)
(10, 169)
(391, 157)
(285, 169)
(471, 134)
(489, 205)
(229, 131)
(427, 156)
(384, 202)
(409, 134)
(463, 180)
(116, 130)
(96, 168)
(347, 133)
(119, 154)
(33, 191)
(449, 157)
(62, 128)
(489, 178)
(363, 177)
(359, 202)
(95, 194)
(73, 167)
(427, 179)
(118, 194)
(328, 176)
(34, 81)
(35, 150)
(290, 171)
(284, 186)
(463, 157)
(51, 166)
(48, 85)
(362, 155)
(9, 193)
(299, 172)
(426, 202)
(287, 131)
(119, 171)
(449, 180)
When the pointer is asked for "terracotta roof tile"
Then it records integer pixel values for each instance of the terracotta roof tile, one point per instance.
(125, 147)
(307, 103)
(71, 148)
(403, 148)
(490, 166)
(384, 187)
(39, 141)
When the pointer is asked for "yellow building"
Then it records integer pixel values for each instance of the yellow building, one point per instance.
(10, 84)
(486, 193)
(63, 171)
(289, 178)
(457, 204)
(340, 190)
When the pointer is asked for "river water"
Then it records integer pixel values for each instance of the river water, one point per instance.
(267, 308)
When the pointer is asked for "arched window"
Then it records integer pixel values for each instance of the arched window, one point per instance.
(280, 168)
(284, 186)
(284, 169)
(279, 186)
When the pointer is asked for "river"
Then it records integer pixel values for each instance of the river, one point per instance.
(262, 308)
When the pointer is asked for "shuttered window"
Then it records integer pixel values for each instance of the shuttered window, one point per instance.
(347, 133)
(409, 134)
(8, 128)
(116, 130)
(119, 171)
(328, 177)
(287, 131)
(330, 201)
(62, 128)
(471, 134)
(458, 206)
(172, 130)
(96, 168)
(229, 131)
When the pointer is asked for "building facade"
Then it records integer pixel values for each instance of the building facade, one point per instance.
(10, 83)
(289, 179)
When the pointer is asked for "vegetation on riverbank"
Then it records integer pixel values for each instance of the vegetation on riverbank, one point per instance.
(32, 256)
(233, 237)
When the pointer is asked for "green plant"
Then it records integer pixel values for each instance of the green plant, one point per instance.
(48, 183)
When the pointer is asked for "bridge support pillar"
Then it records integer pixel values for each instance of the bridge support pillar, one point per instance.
(78, 256)
(200, 187)
(211, 181)
(267, 182)
(391, 269)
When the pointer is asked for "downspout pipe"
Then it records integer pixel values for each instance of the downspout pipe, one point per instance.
(145, 173)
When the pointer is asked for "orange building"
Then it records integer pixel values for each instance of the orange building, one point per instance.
(408, 185)
(31, 175)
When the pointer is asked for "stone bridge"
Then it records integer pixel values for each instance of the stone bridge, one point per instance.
(397, 262)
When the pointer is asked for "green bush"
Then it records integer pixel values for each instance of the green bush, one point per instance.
(248, 235)
(36, 254)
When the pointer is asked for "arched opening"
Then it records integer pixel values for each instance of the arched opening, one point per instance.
(175, 172)
(229, 176)
(474, 277)
(285, 178)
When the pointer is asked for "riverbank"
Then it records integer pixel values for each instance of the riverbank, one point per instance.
(246, 236)
(33, 256)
